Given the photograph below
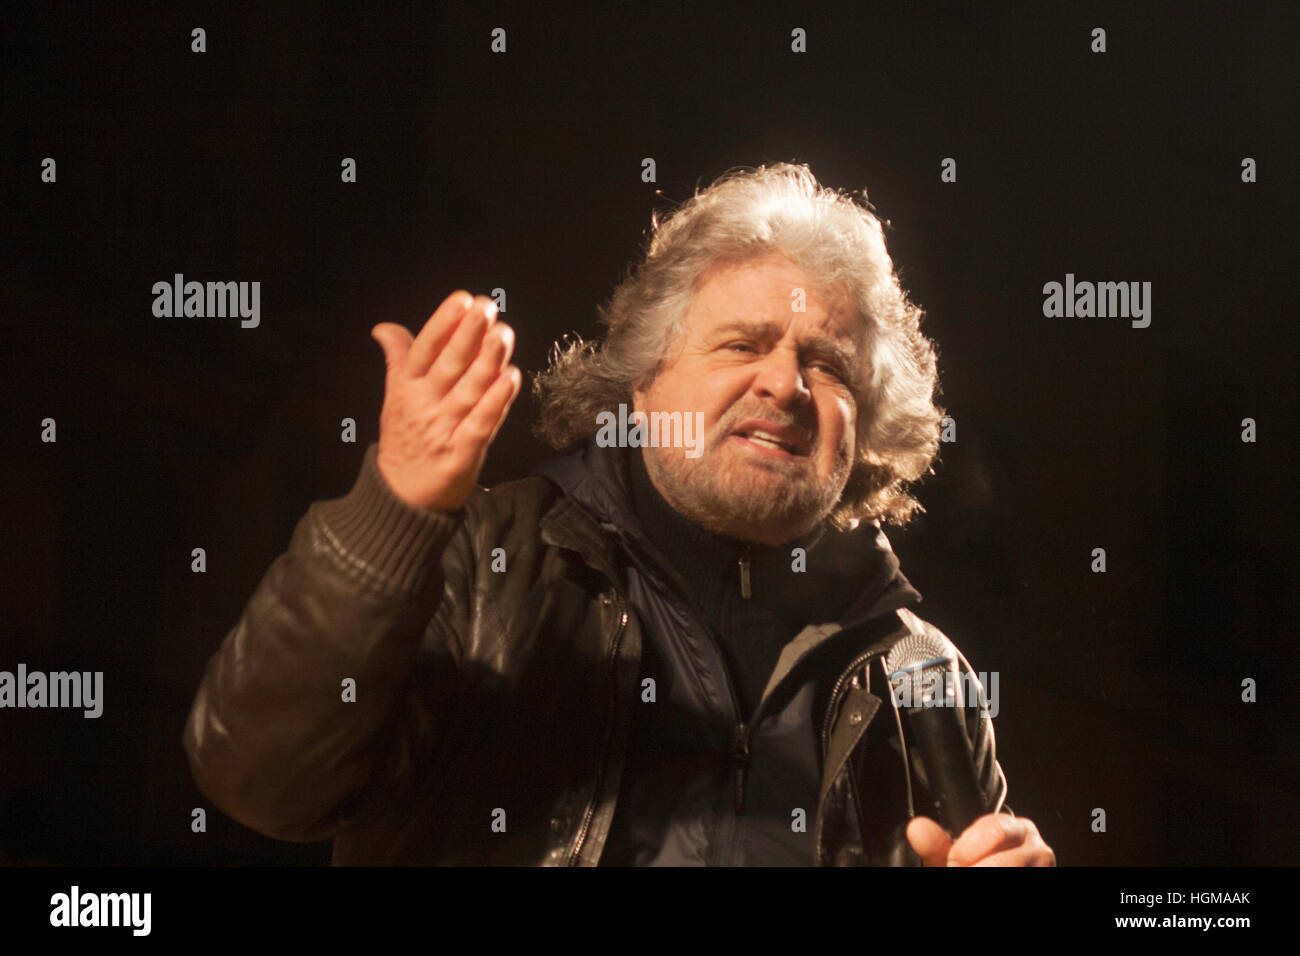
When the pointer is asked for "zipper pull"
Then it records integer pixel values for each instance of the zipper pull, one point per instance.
(745, 591)
(740, 760)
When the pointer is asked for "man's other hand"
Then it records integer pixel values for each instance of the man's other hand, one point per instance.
(995, 839)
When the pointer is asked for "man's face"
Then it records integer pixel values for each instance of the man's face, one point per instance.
(752, 364)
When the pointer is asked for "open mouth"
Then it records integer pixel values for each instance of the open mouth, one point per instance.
(764, 440)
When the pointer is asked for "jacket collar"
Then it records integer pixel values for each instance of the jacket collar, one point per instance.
(596, 518)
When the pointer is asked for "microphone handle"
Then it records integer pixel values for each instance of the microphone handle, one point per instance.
(949, 768)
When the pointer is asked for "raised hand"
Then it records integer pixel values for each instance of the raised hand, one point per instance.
(446, 393)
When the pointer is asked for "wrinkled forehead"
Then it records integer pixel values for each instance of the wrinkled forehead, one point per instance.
(774, 287)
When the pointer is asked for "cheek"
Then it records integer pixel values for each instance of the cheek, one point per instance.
(839, 421)
(674, 394)
(697, 397)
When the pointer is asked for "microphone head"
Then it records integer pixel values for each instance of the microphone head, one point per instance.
(922, 670)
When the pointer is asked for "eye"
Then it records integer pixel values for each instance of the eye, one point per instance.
(741, 345)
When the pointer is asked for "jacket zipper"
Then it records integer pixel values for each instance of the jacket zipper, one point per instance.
(740, 753)
(609, 731)
(741, 757)
(836, 691)
(740, 760)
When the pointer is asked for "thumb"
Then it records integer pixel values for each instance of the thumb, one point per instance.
(395, 341)
(930, 841)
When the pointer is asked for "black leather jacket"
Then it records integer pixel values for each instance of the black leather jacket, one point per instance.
(456, 688)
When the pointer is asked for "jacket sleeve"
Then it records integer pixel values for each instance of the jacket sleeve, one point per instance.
(979, 730)
(306, 707)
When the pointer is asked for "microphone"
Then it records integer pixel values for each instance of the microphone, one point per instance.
(925, 685)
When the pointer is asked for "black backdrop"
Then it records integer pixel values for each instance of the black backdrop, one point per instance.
(522, 170)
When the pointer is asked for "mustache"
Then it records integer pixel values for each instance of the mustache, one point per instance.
(728, 423)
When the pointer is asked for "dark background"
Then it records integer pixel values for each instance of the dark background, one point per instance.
(1118, 690)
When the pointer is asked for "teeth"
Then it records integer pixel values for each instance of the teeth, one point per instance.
(769, 439)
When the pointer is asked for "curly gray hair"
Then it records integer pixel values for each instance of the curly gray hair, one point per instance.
(749, 212)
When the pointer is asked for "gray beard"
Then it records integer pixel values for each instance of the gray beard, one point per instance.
(733, 506)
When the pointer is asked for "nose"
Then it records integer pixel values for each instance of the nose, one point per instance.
(778, 377)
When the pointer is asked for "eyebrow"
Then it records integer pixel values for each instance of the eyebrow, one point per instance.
(821, 346)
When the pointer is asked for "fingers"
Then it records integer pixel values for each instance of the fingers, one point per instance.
(446, 395)
(1029, 850)
(990, 834)
(481, 424)
(995, 839)
(516, 382)
(436, 332)
(930, 841)
(492, 356)
(461, 348)
(1021, 856)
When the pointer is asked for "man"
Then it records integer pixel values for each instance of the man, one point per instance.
(669, 652)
